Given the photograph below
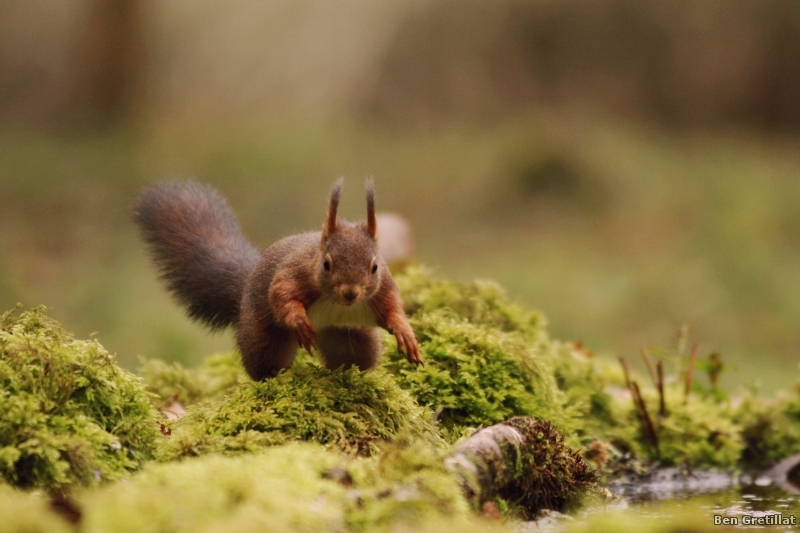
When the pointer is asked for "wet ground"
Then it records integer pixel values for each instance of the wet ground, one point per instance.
(746, 507)
(713, 498)
(745, 501)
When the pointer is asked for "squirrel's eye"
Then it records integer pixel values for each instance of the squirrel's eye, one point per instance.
(374, 268)
(326, 265)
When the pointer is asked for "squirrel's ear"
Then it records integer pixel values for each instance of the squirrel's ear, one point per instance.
(333, 205)
(371, 225)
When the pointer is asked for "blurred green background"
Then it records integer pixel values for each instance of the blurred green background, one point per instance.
(625, 166)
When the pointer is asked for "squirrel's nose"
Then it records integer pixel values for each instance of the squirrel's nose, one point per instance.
(350, 293)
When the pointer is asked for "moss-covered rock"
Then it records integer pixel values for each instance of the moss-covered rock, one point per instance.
(475, 376)
(68, 413)
(346, 409)
(485, 359)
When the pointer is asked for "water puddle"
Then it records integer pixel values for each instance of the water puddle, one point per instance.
(669, 496)
(744, 507)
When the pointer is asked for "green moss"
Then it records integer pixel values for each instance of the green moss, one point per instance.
(28, 512)
(705, 431)
(346, 409)
(486, 359)
(584, 379)
(696, 433)
(297, 487)
(475, 375)
(68, 413)
(407, 483)
(173, 382)
(770, 430)
(700, 433)
(280, 489)
(790, 405)
(479, 302)
(550, 475)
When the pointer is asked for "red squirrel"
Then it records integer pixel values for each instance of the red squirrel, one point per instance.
(326, 289)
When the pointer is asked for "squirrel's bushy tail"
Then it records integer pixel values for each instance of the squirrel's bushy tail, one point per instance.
(198, 247)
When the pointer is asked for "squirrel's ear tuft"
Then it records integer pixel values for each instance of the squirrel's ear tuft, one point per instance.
(371, 225)
(333, 205)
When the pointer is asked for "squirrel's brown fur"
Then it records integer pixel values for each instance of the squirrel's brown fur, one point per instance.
(328, 289)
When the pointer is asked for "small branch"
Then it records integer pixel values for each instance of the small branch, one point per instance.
(715, 367)
(485, 461)
(649, 364)
(690, 372)
(647, 422)
(662, 404)
(683, 338)
(524, 460)
(639, 405)
(625, 371)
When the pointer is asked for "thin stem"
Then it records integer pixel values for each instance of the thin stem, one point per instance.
(649, 364)
(662, 404)
(690, 371)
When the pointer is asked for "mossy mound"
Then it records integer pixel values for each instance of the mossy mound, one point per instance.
(699, 432)
(475, 376)
(704, 429)
(281, 489)
(173, 382)
(406, 484)
(26, 512)
(584, 380)
(68, 413)
(696, 432)
(296, 487)
(345, 409)
(770, 429)
(293, 487)
(479, 302)
(485, 359)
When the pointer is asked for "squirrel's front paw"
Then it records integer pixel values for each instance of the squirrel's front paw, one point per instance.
(302, 330)
(407, 344)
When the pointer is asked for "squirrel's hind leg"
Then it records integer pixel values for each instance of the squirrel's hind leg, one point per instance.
(342, 346)
(265, 349)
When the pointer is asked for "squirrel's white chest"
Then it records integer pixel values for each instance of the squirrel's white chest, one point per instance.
(327, 312)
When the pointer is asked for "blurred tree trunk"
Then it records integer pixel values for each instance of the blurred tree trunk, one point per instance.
(107, 63)
(70, 64)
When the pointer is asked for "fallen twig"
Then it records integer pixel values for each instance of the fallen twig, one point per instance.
(627, 374)
(662, 404)
(649, 364)
(647, 421)
(690, 372)
(639, 405)
(522, 459)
